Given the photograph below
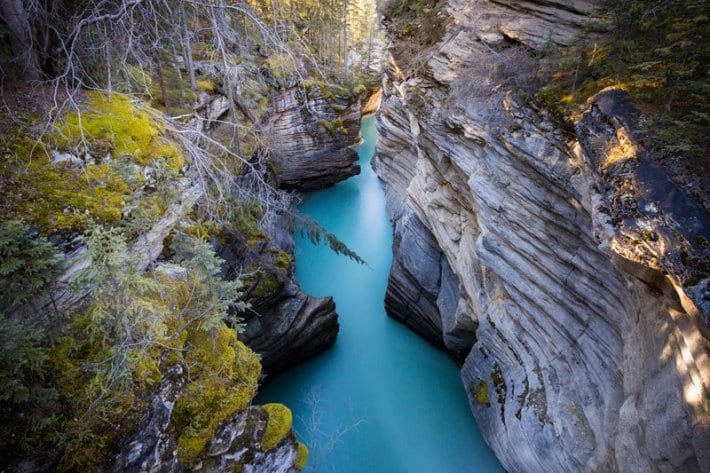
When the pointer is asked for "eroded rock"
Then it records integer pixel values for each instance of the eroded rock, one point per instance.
(588, 347)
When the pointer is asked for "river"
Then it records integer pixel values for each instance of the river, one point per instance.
(381, 400)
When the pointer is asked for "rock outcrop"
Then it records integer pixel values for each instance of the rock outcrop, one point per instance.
(237, 444)
(310, 138)
(290, 327)
(546, 259)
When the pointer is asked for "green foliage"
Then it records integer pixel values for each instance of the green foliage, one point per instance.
(246, 218)
(28, 264)
(278, 425)
(658, 52)
(90, 383)
(197, 256)
(22, 366)
(314, 232)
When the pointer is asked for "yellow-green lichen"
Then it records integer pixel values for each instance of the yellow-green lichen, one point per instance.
(479, 391)
(246, 220)
(280, 65)
(327, 126)
(266, 284)
(206, 85)
(278, 425)
(284, 260)
(98, 180)
(118, 126)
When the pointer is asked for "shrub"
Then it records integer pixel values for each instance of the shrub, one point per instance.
(657, 51)
(28, 264)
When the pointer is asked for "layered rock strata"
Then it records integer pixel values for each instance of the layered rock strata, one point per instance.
(544, 258)
(310, 138)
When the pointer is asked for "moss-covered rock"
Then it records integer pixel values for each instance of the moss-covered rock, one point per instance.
(224, 376)
(120, 127)
(479, 392)
(110, 138)
(278, 425)
(301, 456)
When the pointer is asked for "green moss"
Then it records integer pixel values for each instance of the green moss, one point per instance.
(203, 229)
(58, 198)
(224, 375)
(278, 425)
(301, 456)
(281, 66)
(62, 197)
(246, 219)
(120, 127)
(206, 85)
(359, 89)
(284, 260)
(327, 126)
(147, 371)
(266, 285)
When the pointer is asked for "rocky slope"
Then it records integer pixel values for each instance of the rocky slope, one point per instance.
(549, 260)
(281, 323)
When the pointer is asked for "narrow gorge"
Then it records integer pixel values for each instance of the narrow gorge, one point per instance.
(416, 236)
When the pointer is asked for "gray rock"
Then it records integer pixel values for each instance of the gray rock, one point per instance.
(588, 350)
(290, 327)
(66, 158)
(236, 444)
(310, 139)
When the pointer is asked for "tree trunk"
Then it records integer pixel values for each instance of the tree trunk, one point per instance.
(161, 81)
(188, 48)
(15, 16)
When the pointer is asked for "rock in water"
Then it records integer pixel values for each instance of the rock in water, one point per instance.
(290, 327)
(310, 138)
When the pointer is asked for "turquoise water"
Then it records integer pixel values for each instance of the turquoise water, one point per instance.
(381, 400)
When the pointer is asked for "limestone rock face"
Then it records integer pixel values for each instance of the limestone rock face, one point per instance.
(290, 327)
(548, 261)
(310, 138)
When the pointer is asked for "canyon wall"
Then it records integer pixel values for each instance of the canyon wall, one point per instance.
(541, 256)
